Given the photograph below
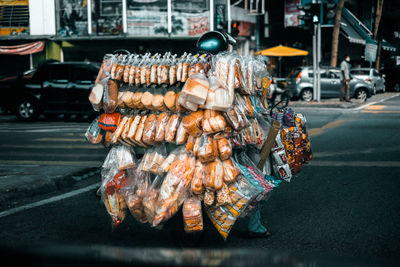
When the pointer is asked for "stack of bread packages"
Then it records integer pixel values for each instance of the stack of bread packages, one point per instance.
(192, 118)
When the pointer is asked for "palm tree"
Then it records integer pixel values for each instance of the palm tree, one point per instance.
(335, 33)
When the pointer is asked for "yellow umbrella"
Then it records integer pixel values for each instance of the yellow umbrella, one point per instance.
(282, 51)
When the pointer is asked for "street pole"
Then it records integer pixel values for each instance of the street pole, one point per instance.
(318, 62)
(314, 41)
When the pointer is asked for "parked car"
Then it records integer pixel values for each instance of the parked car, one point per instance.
(300, 84)
(392, 79)
(52, 88)
(371, 76)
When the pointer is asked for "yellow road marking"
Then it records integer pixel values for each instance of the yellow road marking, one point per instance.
(53, 163)
(56, 139)
(381, 111)
(318, 131)
(98, 147)
(375, 107)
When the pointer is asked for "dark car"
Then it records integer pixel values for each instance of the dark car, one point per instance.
(300, 84)
(53, 88)
(392, 78)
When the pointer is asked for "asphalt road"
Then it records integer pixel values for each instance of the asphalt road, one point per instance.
(346, 202)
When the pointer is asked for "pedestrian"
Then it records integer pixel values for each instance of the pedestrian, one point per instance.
(345, 79)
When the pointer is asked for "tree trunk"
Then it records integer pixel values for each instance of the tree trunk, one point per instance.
(335, 33)
(378, 16)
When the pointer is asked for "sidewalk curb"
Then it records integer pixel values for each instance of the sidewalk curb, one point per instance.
(48, 185)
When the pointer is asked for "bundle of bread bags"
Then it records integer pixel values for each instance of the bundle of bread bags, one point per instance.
(194, 117)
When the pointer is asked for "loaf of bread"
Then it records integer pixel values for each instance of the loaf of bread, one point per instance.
(230, 171)
(181, 135)
(158, 102)
(162, 121)
(178, 107)
(224, 149)
(170, 100)
(133, 129)
(197, 181)
(126, 73)
(111, 102)
(172, 127)
(149, 129)
(147, 100)
(192, 123)
(196, 89)
(206, 151)
(139, 131)
(96, 96)
(117, 133)
(190, 143)
(132, 71)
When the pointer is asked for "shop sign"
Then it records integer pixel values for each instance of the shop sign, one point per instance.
(291, 13)
(370, 52)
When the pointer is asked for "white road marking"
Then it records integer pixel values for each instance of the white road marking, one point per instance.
(375, 102)
(48, 200)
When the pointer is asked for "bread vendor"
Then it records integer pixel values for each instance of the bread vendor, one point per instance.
(215, 42)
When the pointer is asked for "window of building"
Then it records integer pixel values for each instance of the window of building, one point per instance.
(71, 17)
(107, 17)
(14, 17)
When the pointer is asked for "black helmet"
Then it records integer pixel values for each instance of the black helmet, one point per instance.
(214, 42)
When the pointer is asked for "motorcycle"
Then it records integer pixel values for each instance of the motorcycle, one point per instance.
(277, 96)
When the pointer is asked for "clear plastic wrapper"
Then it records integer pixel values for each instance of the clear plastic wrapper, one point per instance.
(174, 187)
(231, 171)
(172, 156)
(198, 177)
(181, 134)
(153, 160)
(209, 197)
(206, 152)
(150, 200)
(173, 71)
(223, 196)
(105, 69)
(112, 198)
(119, 72)
(170, 100)
(94, 134)
(214, 178)
(134, 194)
(121, 127)
(149, 129)
(158, 102)
(97, 94)
(192, 123)
(196, 89)
(110, 98)
(162, 122)
(172, 127)
(192, 215)
(236, 118)
(153, 69)
(224, 148)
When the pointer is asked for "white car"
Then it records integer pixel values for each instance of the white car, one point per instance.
(371, 76)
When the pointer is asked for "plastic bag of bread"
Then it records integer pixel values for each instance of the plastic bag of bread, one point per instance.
(192, 216)
(244, 102)
(174, 187)
(94, 134)
(192, 123)
(223, 196)
(209, 197)
(221, 98)
(151, 198)
(112, 198)
(127, 66)
(181, 135)
(206, 151)
(162, 122)
(214, 124)
(149, 129)
(122, 156)
(214, 177)
(105, 69)
(97, 93)
(133, 68)
(110, 96)
(172, 70)
(185, 67)
(163, 77)
(231, 172)
(196, 88)
(153, 159)
(109, 122)
(224, 148)
(119, 70)
(198, 176)
(236, 118)
(120, 128)
(147, 100)
(172, 156)
(172, 127)
(135, 193)
(185, 103)
(153, 69)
